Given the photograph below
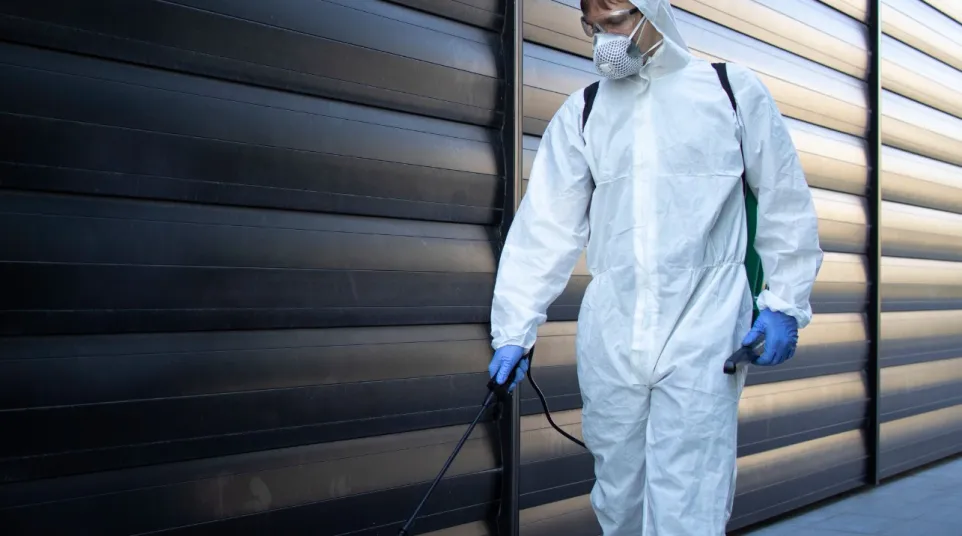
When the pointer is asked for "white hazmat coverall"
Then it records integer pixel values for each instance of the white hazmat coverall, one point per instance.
(657, 181)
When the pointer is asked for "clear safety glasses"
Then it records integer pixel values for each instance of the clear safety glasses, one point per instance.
(618, 22)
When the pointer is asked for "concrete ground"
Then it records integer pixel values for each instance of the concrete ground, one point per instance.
(925, 503)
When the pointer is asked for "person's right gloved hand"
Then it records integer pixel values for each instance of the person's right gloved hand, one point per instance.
(505, 358)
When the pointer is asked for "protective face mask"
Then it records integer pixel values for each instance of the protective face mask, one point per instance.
(617, 56)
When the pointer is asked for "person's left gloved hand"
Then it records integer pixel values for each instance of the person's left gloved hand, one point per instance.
(781, 337)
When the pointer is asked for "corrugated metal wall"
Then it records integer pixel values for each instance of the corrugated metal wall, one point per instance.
(254, 259)
(921, 345)
(257, 242)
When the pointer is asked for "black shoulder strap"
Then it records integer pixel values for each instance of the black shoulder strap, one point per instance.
(590, 93)
(722, 71)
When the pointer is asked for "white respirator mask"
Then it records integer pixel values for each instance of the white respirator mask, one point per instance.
(617, 56)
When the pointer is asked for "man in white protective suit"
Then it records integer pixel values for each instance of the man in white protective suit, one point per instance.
(652, 185)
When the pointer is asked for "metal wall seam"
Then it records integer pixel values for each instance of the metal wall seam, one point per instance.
(509, 517)
(874, 195)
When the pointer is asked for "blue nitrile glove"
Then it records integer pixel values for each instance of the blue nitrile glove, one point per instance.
(505, 358)
(781, 337)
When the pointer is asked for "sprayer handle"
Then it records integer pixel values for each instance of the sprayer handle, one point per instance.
(745, 354)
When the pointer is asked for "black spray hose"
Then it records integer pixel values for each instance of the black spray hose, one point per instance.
(496, 392)
(484, 406)
(544, 405)
(745, 354)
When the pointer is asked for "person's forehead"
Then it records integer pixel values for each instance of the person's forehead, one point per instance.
(594, 8)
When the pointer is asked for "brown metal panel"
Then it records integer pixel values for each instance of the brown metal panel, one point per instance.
(554, 23)
(842, 225)
(841, 285)
(923, 27)
(802, 27)
(949, 7)
(920, 336)
(857, 9)
(918, 388)
(921, 233)
(831, 160)
(914, 441)
(916, 180)
(920, 129)
(917, 285)
(803, 89)
(769, 482)
(921, 77)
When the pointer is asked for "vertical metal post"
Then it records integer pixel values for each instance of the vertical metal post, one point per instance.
(874, 198)
(511, 143)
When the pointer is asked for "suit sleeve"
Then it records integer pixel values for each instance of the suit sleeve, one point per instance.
(548, 234)
(787, 230)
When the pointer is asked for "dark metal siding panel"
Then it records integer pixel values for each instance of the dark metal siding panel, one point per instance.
(483, 13)
(340, 483)
(253, 292)
(571, 517)
(95, 257)
(372, 49)
(220, 393)
(184, 138)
